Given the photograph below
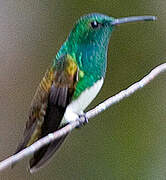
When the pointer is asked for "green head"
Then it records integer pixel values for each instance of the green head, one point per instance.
(92, 28)
(97, 28)
(90, 36)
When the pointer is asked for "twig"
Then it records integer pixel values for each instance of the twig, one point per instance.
(90, 114)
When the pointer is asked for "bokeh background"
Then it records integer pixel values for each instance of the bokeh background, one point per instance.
(127, 141)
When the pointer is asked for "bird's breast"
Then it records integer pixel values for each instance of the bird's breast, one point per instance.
(82, 101)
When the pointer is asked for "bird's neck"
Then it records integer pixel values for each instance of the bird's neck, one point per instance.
(90, 57)
(93, 59)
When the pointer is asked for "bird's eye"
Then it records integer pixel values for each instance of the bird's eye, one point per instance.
(95, 24)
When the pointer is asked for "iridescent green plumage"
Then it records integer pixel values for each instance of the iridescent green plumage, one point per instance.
(71, 83)
(89, 48)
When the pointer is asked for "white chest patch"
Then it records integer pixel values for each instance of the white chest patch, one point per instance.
(78, 106)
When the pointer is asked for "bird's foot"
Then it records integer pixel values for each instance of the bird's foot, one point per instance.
(82, 120)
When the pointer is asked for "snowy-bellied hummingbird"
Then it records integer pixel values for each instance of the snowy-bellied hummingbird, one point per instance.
(71, 82)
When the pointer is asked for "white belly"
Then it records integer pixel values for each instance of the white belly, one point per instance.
(78, 105)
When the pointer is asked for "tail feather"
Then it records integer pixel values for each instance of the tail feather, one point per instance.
(42, 157)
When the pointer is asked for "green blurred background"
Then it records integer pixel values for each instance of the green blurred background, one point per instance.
(127, 141)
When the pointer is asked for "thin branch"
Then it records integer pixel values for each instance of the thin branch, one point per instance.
(90, 114)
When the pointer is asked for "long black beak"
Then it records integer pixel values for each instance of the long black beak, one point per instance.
(133, 19)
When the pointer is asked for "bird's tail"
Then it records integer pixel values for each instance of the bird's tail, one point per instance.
(43, 155)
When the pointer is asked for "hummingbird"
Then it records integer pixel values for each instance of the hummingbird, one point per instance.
(69, 85)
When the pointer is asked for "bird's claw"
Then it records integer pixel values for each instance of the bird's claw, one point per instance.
(82, 120)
